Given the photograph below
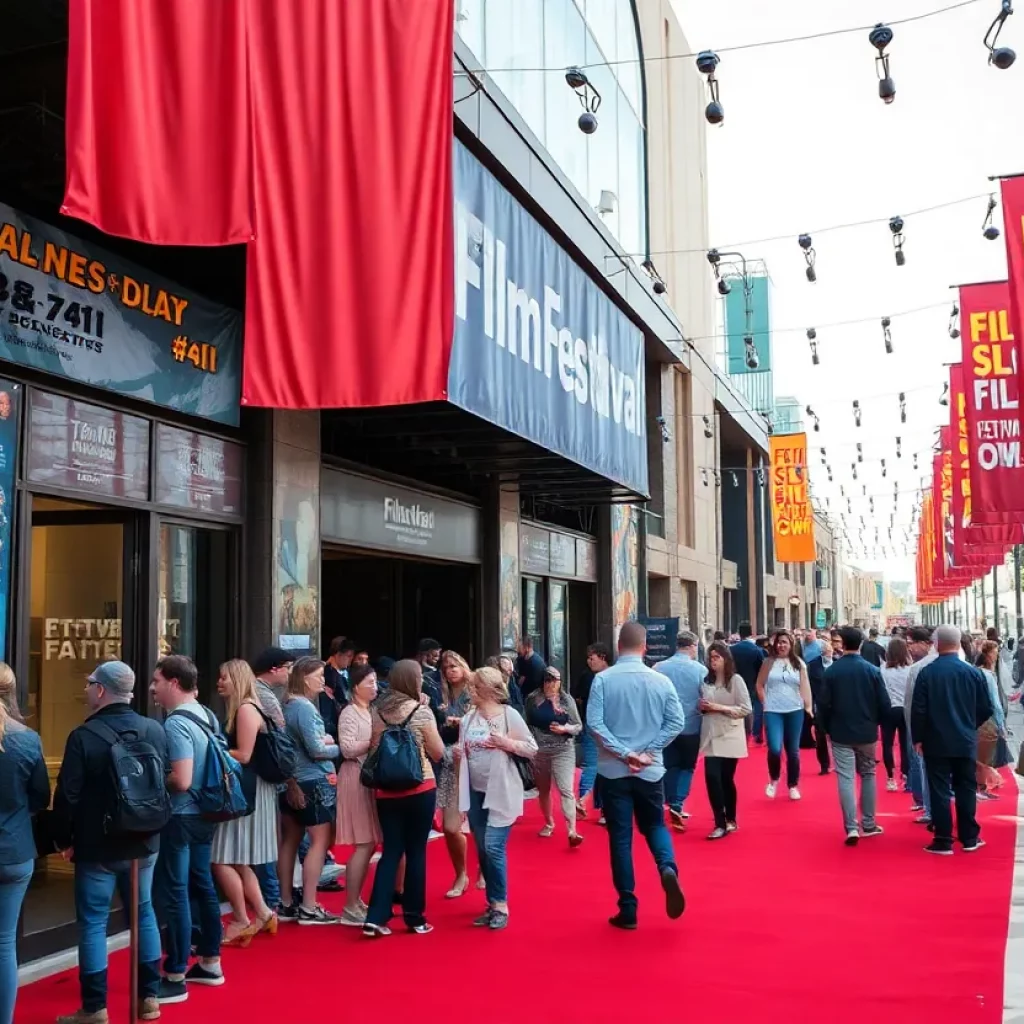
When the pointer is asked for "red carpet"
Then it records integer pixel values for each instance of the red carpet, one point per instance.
(784, 924)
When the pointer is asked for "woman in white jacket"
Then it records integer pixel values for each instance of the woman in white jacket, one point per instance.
(490, 789)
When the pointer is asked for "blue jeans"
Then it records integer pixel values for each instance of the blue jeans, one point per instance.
(754, 723)
(625, 799)
(491, 841)
(270, 888)
(589, 773)
(14, 879)
(783, 729)
(680, 761)
(95, 884)
(919, 782)
(184, 866)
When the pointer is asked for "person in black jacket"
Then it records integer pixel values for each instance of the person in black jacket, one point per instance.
(102, 862)
(950, 702)
(816, 677)
(852, 705)
(871, 650)
(749, 658)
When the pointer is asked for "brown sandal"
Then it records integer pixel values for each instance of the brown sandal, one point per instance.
(241, 938)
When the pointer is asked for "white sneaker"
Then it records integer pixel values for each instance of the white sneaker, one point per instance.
(891, 786)
(794, 793)
(769, 790)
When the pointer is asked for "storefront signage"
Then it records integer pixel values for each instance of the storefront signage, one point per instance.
(198, 472)
(661, 638)
(86, 448)
(534, 550)
(539, 349)
(10, 401)
(81, 639)
(563, 554)
(374, 514)
(72, 309)
(586, 560)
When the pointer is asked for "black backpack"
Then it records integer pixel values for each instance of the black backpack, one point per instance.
(137, 803)
(273, 756)
(396, 763)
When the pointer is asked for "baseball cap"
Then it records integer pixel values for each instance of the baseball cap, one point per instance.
(115, 676)
(271, 658)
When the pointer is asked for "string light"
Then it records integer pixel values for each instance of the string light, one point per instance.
(812, 337)
(814, 416)
(988, 229)
(708, 432)
(658, 285)
(860, 452)
(883, 468)
(856, 412)
(954, 322)
(707, 62)
(590, 99)
(899, 452)
(903, 407)
(887, 335)
(896, 227)
(944, 397)
(880, 37)
(1002, 56)
(805, 243)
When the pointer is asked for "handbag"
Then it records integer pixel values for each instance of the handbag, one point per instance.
(523, 765)
(1002, 755)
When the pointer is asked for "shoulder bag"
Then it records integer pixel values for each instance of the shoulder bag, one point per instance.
(523, 765)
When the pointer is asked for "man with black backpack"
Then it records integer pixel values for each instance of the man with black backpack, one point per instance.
(110, 805)
(184, 861)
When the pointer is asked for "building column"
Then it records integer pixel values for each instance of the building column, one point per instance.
(501, 585)
(281, 557)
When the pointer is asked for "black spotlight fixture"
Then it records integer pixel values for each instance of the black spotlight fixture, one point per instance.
(883, 470)
(944, 397)
(750, 353)
(708, 432)
(853, 466)
(903, 407)
(589, 97)
(954, 322)
(880, 37)
(988, 229)
(1002, 56)
(707, 62)
(915, 460)
(887, 335)
(896, 227)
(814, 416)
(860, 452)
(856, 413)
(899, 449)
(805, 243)
(658, 286)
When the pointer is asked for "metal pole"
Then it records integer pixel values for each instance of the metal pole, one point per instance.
(982, 617)
(1016, 589)
(995, 597)
(133, 946)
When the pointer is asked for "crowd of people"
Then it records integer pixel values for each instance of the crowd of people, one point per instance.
(308, 755)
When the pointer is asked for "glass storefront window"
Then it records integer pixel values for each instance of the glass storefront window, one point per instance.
(510, 37)
(192, 594)
(557, 633)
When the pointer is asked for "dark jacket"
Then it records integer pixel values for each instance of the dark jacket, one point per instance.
(79, 808)
(816, 676)
(853, 700)
(873, 653)
(749, 658)
(530, 673)
(950, 702)
(24, 791)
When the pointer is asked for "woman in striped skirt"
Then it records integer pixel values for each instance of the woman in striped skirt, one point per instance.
(243, 842)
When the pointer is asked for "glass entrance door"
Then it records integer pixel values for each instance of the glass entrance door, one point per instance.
(82, 579)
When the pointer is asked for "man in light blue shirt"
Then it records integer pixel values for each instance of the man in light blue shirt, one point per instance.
(634, 713)
(687, 675)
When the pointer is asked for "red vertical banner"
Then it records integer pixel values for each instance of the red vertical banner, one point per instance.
(992, 404)
(1013, 232)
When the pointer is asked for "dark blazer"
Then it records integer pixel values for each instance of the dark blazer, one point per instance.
(950, 702)
(749, 658)
(872, 653)
(79, 808)
(853, 700)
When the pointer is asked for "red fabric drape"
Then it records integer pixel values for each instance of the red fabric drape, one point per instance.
(350, 297)
(157, 123)
(332, 122)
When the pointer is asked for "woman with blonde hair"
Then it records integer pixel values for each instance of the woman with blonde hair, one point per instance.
(315, 752)
(555, 723)
(357, 814)
(24, 791)
(252, 839)
(490, 786)
(455, 702)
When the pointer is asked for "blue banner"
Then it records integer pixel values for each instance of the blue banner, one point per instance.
(10, 402)
(72, 309)
(539, 349)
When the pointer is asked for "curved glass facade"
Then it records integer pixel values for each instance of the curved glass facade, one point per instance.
(510, 37)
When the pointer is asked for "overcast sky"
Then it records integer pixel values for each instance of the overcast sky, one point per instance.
(808, 144)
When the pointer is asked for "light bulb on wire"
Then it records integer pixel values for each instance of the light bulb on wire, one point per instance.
(988, 229)
(880, 37)
(1001, 56)
(707, 62)
(805, 243)
(887, 335)
(954, 322)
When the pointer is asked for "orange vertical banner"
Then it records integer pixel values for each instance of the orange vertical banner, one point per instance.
(792, 514)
